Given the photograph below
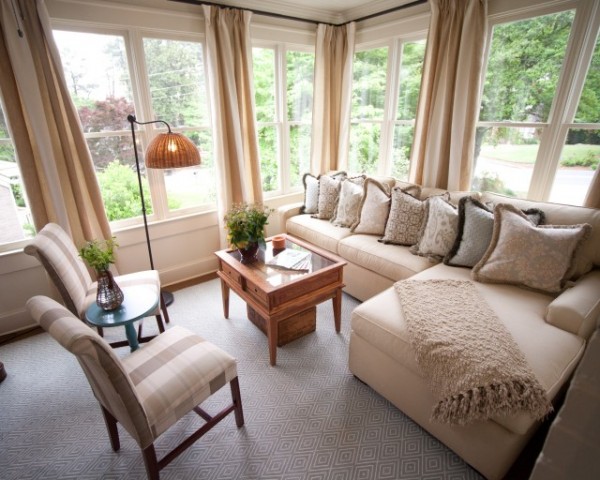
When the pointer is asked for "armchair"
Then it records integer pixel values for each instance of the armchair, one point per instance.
(55, 250)
(151, 389)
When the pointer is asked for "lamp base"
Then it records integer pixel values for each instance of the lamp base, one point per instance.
(167, 297)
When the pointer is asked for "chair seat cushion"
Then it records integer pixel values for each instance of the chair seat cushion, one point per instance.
(175, 372)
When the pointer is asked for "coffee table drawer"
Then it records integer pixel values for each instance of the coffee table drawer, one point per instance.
(231, 273)
(257, 293)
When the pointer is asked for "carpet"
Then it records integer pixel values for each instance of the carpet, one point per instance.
(306, 418)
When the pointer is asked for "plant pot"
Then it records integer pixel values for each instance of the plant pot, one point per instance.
(248, 254)
(109, 295)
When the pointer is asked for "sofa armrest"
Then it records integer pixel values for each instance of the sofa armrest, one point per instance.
(577, 309)
(279, 217)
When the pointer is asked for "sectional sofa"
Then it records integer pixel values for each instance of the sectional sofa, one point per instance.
(550, 325)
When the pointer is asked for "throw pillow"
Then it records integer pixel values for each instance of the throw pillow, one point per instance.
(311, 194)
(440, 227)
(404, 222)
(329, 190)
(524, 254)
(351, 193)
(374, 209)
(475, 228)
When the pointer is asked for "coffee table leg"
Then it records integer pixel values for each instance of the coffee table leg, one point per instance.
(131, 336)
(272, 334)
(225, 298)
(337, 310)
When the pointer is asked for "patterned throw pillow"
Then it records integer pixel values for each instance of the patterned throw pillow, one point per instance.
(403, 225)
(475, 228)
(374, 209)
(524, 254)
(351, 193)
(439, 228)
(311, 194)
(329, 191)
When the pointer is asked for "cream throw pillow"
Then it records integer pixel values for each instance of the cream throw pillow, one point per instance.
(311, 194)
(521, 253)
(374, 209)
(329, 191)
(351, 193)
(403, 226)
(439, 229)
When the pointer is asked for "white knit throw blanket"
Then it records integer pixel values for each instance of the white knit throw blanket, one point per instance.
(475, 368)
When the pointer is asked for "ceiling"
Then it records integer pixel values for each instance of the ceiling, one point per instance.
(328, 11)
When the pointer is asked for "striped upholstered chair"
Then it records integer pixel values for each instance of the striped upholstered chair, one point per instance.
(151, 389)
(55, 250)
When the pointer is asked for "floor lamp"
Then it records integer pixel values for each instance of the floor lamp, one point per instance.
(166, 150)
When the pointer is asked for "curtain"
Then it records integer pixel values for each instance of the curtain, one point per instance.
(232, 100)
(332, 99)
(56, 166)
(592, 199)
(448, 106)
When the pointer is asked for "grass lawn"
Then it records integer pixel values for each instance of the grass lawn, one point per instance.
(528, 153)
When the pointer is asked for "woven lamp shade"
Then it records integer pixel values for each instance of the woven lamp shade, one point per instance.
(171, 150)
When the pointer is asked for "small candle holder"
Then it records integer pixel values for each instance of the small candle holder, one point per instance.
(278, 242)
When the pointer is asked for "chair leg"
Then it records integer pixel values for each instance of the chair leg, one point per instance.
(163, 307)
(151, 463)
(160, 324)
(113, 431)
(237, 402)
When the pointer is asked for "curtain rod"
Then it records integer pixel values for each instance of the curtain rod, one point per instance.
(307, 20)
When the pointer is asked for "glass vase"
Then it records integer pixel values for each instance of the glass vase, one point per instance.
(248, 254)
(109, 295)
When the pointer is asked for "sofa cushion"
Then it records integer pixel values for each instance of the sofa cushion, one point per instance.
(551, 352)
(521, 253)
(392, 261)
(329, 191)
(374, 209)
(321, 233)
(347, 209)
(440, 228)
(311, 193)
(475, 228)
(405, 219)
(558, 214)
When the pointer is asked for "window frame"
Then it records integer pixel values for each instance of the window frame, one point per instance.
(569, 88)
(281, 122)
(133, 38)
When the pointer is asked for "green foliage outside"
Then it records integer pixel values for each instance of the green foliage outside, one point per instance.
(121, 192)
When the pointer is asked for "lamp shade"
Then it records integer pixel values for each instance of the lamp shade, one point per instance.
(171, 150)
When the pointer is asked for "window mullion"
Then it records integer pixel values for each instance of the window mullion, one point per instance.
(390, 107)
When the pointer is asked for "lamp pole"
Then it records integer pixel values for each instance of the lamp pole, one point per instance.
(166, 295)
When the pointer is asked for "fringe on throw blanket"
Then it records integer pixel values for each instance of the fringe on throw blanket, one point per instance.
(475, 367)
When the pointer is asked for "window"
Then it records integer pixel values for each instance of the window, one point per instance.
(381, 142)
(100, 77)
(368, 106)
(520, 114)
(283, 84)
(16, 220)
(581, 153)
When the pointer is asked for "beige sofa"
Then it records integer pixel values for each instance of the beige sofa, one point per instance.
(551, 330)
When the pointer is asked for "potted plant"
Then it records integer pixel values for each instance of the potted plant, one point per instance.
(245, 223)
(99, 255)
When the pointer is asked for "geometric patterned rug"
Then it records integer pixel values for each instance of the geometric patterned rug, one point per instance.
(306, 418)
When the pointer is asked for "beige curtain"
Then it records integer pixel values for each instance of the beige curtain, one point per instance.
(332, 99)
(592, 199)
(232, 96)
(58, 173)
(448, 107)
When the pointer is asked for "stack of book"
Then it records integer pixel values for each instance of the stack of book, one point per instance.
(290, 259)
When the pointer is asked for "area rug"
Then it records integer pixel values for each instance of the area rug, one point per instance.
(306, 418)
(474, 367)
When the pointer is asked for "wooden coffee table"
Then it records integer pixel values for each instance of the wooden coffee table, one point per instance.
(282, 303)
